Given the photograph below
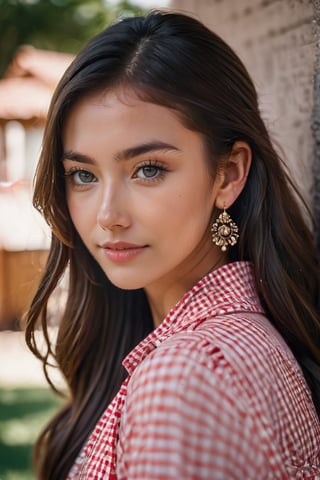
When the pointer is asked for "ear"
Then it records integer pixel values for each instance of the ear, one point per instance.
(233, 174)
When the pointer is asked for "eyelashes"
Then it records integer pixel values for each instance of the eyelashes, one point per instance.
(148, 172)
(80, 176)
(152, 170)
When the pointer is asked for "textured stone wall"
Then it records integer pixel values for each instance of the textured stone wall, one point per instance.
(316, 123)
(277, 41)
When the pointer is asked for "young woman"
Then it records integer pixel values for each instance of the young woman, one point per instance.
(190, 336)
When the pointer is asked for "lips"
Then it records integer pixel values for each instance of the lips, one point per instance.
(121, 245)
(122, 252)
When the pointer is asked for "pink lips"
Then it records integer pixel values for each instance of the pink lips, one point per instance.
(121, 252)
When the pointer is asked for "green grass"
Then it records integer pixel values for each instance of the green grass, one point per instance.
(23, 413)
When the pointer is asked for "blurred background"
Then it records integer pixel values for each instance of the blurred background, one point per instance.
(279, 42)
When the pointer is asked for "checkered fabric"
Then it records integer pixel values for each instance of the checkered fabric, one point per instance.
(213, 393)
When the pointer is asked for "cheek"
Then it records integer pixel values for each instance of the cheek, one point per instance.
(79, 213)
(160, 209)
(195, 203)
(184, 214)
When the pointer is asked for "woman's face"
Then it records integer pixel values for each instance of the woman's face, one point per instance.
(139, 192)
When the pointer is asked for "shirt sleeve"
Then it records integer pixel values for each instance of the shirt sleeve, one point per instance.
(182, 420)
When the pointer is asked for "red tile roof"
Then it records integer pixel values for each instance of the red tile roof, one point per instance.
(28, 84)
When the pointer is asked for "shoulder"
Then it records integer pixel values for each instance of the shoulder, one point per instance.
(234, 356)
(179, 407)
(246, 341)
(221, 390)
(236, 341)
(212, 358)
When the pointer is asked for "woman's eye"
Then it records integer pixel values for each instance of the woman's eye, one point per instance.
(149, 172)
(81, 177)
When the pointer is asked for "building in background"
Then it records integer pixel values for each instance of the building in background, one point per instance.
(25, 94)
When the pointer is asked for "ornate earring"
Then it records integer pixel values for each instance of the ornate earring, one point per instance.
(224, 231)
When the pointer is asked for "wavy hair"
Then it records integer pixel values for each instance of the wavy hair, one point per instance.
(171, 60)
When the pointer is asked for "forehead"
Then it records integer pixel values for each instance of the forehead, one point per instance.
(123, 109)
(120, 97)
(104, 124)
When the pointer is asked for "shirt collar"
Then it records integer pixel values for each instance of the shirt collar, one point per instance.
(228, 289)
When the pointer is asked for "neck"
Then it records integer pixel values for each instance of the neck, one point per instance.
(164, 295)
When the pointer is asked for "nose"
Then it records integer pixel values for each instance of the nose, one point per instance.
(113, 210)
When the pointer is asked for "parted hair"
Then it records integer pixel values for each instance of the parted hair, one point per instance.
(172, 60)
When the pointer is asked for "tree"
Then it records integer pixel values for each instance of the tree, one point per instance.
(62, 25)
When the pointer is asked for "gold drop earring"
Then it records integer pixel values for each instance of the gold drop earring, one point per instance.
(224, 231)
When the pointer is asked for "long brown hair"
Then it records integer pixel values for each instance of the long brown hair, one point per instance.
(171, 60)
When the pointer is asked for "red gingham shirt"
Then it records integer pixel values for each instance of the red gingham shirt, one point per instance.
(212, 393)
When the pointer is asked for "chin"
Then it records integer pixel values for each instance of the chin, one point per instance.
(125, 282)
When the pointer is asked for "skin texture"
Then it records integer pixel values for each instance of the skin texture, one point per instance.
(158, 201)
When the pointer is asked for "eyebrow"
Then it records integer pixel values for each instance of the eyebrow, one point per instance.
(76, 157)
(144, 148)
(126, 154)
